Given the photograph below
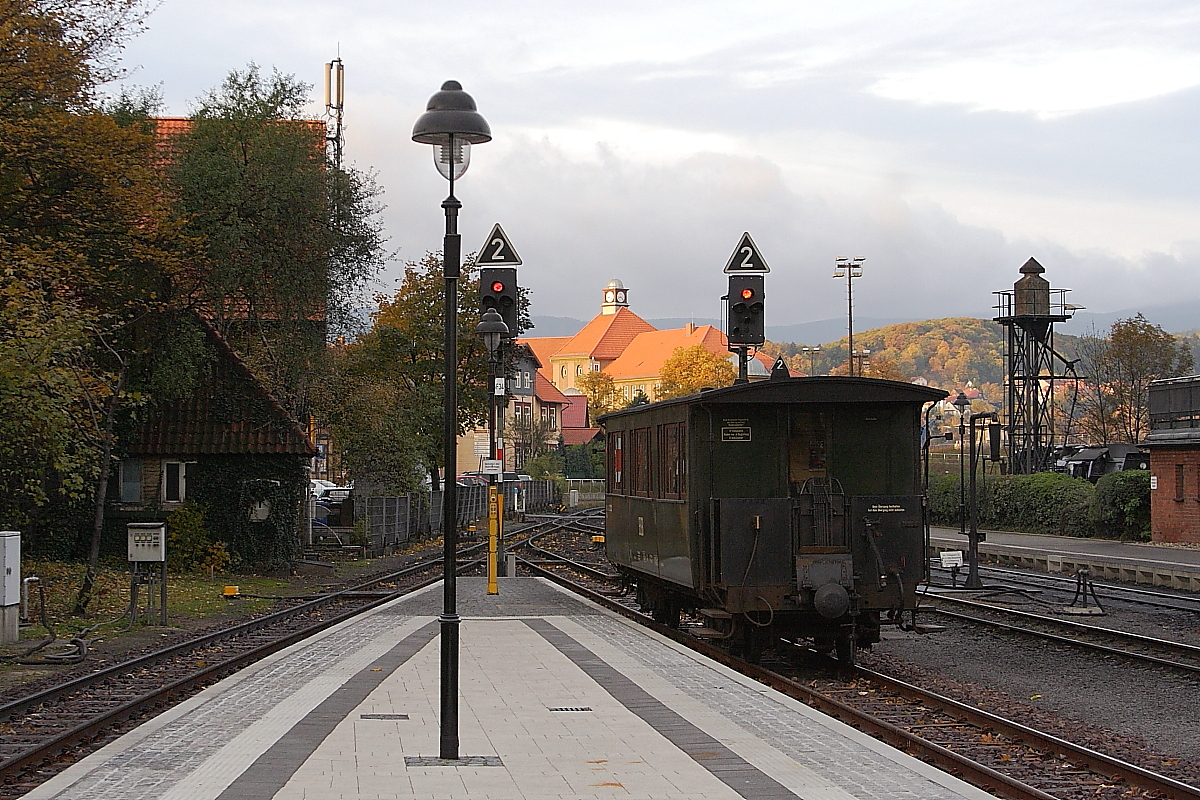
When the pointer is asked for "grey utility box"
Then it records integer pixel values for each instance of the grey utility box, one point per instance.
(147, 541)
(10, 596)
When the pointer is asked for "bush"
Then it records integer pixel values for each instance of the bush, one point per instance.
(544, 467)
(1045, 502)
(1122, 506)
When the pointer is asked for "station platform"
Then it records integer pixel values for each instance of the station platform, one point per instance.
(1128, 562)
(559, 699)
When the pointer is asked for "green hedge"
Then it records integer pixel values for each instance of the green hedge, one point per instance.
(1048, 502)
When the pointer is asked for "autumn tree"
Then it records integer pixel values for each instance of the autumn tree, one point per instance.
(289, 239)
(688, 370)
(384, 404)
(1095, 403)
(88, 256)
(602, 394)
(1139, 352)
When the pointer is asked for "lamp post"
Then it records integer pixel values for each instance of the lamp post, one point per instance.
(811, 352)
(973, 581)
(849, 268)
(492, 329)
(963, 404)
(451, 124)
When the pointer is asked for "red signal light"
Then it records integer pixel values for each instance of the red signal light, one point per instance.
(497, 287)
(747, 294)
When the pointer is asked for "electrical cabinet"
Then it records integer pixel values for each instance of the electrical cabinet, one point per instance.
(10, 566)
(147, 541)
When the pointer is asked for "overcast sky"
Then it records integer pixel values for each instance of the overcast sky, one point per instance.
(946, 142)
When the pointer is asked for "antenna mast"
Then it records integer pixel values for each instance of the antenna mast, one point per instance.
(335, 97)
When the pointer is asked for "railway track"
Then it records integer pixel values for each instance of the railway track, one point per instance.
(1000, 755)
(43, 733)
(1109, 641)
(1065, 584)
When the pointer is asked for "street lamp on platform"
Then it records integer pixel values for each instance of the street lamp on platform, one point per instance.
(963, 404)
(451, 124)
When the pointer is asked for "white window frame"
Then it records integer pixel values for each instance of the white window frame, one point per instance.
(182, 485)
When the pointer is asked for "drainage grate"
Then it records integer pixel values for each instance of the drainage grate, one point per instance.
(571, 708)
(383, 716)
(465, 761)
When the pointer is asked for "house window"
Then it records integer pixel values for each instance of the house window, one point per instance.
(1179, 482)
(528, 382)
(131, 480)
(578, 369)
(563, 369)
(595, 367)
(550, 415)
(174, 482)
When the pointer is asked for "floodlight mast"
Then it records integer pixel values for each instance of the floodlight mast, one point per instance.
(849, 268)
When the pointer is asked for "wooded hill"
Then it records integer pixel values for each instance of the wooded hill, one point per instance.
(946, 352)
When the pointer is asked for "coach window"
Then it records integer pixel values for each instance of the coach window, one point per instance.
(616, 457)
(639, 462)
(672, 461)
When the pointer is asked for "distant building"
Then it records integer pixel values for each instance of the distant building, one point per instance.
(624, 346)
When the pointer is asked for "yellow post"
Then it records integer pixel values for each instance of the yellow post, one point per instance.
(493, 538)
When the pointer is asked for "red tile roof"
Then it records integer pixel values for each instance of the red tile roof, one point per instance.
(579, 435)
(543, 347)
(230, 414)
(645, 355)
(606, 336)
(546, 391)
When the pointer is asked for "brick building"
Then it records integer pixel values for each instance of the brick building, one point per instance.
(1174, 445)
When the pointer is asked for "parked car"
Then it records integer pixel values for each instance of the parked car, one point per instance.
(318, 487)
(471, 479)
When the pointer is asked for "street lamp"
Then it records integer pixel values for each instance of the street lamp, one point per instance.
(492, 329)
(811, 352)
(849, 268)
(451, 124)
(963, 404)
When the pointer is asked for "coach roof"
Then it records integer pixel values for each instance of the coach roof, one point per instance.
(826, 389)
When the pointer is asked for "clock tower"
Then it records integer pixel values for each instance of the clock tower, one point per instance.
(615, 296)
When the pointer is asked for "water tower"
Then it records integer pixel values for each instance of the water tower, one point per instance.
(1029, 312)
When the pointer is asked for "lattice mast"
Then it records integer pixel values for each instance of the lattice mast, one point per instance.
(1029, 312)
(335, 98)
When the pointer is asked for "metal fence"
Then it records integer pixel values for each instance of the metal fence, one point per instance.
(584, 492)
(392, 521)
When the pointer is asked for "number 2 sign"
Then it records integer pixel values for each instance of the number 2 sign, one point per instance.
(497, 250)
(746, 257)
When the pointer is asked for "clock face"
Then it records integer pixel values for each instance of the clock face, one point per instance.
(609, 296)
(620, 297)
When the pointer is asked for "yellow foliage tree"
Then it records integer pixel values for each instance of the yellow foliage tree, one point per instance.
(601, 393)
(689, 370)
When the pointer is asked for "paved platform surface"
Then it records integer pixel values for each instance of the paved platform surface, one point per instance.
(559, 699)
(1158, 565)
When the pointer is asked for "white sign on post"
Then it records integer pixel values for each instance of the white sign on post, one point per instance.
(951, 558)
(492, 467)
(498, 389)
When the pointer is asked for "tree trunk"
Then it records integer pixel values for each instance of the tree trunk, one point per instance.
(93, 564)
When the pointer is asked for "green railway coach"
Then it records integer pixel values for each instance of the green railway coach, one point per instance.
(787, 508)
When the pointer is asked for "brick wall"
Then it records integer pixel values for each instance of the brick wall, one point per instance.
(1175, 494)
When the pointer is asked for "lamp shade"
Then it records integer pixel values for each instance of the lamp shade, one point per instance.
(451, 112)
(492, 328)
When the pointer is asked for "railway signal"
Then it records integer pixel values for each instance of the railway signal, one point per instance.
(746, 325)
(498, 292)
